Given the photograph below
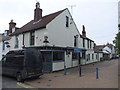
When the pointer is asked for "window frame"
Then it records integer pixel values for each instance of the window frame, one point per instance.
(74, 56)
(75, 41)
(67, 21)
(16, 41)
(83, 55)
(23, 43)
(83, 42)
(58, 54)
(32, 38)
(92, 56)
(3, 46)
(88, 43)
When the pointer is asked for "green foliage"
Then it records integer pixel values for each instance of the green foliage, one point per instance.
(117, 43)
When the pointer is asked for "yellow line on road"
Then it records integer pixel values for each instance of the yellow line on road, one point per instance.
(23, 85)
(26, 86)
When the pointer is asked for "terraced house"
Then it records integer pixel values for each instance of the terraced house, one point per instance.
(57, 37)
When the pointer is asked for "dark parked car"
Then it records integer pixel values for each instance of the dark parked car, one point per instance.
(22, 64)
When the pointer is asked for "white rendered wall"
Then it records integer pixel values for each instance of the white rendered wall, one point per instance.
(39, 36)
(89, 51)
(58, 66)
(68, 60)
(59, 34)
(75, 63)
(6, 50)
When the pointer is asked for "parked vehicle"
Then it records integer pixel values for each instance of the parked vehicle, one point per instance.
(22, 64)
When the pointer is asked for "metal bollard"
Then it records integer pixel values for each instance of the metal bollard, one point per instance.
(97, 73)
(80, 73)
(65, 72)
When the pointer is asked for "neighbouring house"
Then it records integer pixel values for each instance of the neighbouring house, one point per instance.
(5, 43)
(98, 49)
(112, 50)
(107, 51)
(57, 37)
(5, 39)
(88, 45)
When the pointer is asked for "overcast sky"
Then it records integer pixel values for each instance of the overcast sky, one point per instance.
(100, 17)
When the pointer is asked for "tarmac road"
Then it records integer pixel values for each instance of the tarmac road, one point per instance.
(9, 82)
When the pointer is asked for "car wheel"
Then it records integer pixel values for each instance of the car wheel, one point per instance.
(19, 77)
(37, 77)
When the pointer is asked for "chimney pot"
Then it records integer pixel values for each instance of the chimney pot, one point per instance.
(11, 26)
(83, 31)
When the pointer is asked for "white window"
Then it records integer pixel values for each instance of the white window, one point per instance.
(67, 21)
(16, 41)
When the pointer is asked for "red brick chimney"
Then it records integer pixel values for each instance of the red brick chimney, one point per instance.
(11, 26)
(37, 12)
(84, 32)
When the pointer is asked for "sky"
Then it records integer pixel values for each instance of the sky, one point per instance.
(100, 17)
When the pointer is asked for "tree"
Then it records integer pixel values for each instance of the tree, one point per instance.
(117, 43)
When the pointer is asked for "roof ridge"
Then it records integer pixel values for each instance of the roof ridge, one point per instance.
(55, 12)
(44, 21)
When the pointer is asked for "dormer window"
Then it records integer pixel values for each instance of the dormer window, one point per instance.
(67, 21)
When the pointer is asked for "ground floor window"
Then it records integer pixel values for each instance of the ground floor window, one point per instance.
(88, 57)
(74, 55)
(97, 56)
(83, 55)
(92, 56)
(58, 56)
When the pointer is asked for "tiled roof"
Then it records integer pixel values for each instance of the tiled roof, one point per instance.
(86, 38)
(110, 46)
(37, 25)
(99, 48)
(4, 38)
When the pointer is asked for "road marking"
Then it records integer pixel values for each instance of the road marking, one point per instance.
(23, 85)
(26, 86)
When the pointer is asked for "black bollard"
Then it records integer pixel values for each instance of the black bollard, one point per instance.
(80, 73)
(65, 72)
(97, 73)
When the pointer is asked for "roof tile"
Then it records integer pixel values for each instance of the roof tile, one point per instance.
(36, 25)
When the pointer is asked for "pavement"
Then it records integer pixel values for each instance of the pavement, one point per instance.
(108, 77)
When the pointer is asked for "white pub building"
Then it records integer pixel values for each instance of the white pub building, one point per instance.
(57, 37)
